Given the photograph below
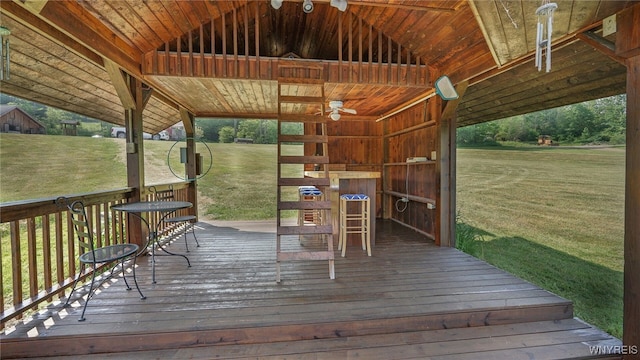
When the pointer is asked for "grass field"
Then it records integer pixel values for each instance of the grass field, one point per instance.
(239, 185)
(553, 216)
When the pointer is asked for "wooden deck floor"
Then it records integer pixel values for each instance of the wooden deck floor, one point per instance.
(410, 300)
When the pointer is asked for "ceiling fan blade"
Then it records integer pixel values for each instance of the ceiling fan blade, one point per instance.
(350, 111)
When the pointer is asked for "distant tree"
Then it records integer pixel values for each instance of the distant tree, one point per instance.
(261, 131)
(211, 127)
(226, 134)
(612, 112)
(292, 128)
(516, 128)
(576, 118)
(543, 122)
(479, 134)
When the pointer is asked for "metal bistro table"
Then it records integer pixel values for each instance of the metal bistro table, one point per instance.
(164, 208)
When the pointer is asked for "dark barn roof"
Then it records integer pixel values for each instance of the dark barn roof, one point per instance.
(63, 52)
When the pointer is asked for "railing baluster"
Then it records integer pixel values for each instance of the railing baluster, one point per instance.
(46, 253)
(16, 262)
(41, 237)
(2, 255)
(32, 255)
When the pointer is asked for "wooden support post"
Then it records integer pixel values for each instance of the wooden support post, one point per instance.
(446, 170)
(192, 193)
(134, 98)
(631, 318)
(135, 159)
(628, 47)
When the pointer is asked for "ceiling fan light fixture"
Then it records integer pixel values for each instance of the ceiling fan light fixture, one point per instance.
(307, 6)
(335, 115)
(339, 4)
(445, 88)
(276, 4)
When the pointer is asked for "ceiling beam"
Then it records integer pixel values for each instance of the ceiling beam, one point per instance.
(188, 120)
(407, 105)
(120, 83)
(29, 19)
(601, 44)
(483, 28)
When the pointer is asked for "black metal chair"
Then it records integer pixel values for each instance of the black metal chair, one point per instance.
(97, 257)
(188, 220)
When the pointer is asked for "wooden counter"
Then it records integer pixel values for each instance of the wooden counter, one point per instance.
(350, 182)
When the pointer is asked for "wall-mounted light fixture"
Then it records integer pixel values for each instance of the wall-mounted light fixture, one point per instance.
(4, 53)
(307, 6)
(445, 88)
(339, 4)
(543, 33)
(276, 4)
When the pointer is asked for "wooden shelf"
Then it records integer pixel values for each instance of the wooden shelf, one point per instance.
(418, 199)
(428, 162)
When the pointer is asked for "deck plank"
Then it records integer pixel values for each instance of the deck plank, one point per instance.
(407, 294)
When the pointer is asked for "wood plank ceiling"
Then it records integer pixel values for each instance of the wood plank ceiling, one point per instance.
(219, 58)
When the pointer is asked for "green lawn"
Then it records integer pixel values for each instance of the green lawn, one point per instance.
(552, 216)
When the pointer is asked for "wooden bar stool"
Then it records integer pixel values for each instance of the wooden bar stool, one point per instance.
(309, 193)
(355, 222)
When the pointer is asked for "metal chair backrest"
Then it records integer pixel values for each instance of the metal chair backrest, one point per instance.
(163, 195)
(81, 225)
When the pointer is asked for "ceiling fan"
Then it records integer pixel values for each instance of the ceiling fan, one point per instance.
(336, 107)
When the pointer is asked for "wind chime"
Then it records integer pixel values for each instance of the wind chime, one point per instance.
(543, 35)
(4, 53)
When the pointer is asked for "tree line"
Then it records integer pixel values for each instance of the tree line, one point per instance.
(601, 121)
(595, 122)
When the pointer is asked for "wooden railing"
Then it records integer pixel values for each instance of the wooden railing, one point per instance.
(364, 54)
(38, 248)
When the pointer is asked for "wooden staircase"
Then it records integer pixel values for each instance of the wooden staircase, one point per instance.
(301, 100)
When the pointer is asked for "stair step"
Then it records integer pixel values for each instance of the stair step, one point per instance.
(304, 159)
(304, 138)
(292, 99)
(318, 182)
(564, 339)
(305, 255)
(304, 205)
(305, 230)
(304, 118)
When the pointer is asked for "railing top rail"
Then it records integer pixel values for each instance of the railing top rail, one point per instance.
(18, 210)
